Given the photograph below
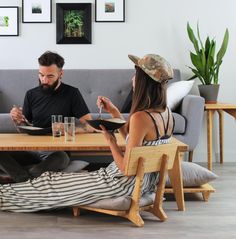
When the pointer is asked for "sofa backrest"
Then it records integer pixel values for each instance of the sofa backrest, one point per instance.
(113, 83)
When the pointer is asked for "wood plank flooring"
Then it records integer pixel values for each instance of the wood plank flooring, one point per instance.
(203, 220)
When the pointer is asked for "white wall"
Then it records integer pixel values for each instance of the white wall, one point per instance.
(151, 26)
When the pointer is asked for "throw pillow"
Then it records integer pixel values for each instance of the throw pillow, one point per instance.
(75, 166)
(123, 202)
(176, 92)
(194, 175)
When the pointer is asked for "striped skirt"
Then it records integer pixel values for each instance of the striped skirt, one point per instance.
(55, 190)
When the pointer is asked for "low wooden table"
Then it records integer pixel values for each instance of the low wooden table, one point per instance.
(220, 108)
(83, 143)
(88, 144)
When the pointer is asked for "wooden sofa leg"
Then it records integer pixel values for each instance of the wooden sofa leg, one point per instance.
(205, 196)
(76, 211)
(190, 156)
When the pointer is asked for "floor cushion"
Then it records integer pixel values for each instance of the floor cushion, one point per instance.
(194, 175)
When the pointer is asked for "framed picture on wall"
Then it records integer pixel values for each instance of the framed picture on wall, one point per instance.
(109, 10)
(74, 23)
(36, 11)
(9, 21)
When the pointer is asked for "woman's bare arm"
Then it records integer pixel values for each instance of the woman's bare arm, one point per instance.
(137, 131)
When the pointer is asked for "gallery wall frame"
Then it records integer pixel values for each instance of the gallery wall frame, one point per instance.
(109, 10)
(73, 23)
(36, 11)
(9, 21)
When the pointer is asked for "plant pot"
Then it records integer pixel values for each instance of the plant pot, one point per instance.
(209, 92)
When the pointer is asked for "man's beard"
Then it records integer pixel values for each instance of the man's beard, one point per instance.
(49, 89)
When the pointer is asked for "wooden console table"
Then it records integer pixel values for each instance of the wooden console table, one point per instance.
(220, 108)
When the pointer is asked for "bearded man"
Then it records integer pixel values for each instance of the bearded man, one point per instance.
(51, 97)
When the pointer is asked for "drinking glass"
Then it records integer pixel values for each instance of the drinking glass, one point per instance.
(69, 128)
(57, 125)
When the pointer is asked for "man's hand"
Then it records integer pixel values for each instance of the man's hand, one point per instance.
(17, 115)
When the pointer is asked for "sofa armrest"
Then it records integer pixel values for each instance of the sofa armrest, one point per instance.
(192, 109)
(6, 124)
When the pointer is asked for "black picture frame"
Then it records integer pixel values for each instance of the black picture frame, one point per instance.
(9, 21)
(110, 11)
(39, 11)
(79, 17)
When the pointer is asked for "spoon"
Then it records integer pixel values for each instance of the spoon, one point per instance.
(100, 112)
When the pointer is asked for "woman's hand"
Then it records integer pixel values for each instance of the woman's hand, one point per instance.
(109, 107)
(106, 104)
(110, 137)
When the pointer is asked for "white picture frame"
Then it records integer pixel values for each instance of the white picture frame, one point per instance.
(9, 21)
(109, 10)
(36, 11)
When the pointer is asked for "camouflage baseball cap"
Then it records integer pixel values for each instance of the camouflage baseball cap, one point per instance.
(155, 66)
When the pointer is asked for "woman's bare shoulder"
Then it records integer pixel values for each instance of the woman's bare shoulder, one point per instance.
(139, 116)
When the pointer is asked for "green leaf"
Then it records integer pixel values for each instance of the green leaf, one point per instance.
(192, 38)
(223, 48)
(197, 74)
(207, 46)
(192, 77)
(210, 60)
(196, 62)
(199, 38)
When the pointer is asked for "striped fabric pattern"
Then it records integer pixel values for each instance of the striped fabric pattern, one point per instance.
(156, 142)
(56, 189)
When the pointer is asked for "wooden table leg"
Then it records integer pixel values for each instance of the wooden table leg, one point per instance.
(177, 183)
(232, 112)
(209, 138)
(221, 134)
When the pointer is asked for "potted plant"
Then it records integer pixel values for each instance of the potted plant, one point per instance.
(206, 63)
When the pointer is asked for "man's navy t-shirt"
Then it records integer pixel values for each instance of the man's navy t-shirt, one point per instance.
(66, 100)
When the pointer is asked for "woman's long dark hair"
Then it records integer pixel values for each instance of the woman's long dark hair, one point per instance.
(148, 93)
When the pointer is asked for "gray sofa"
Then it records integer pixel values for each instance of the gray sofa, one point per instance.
(115, 84)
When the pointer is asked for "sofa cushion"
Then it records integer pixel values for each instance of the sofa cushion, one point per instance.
(6, 124)
(194, 175)
(180, 121)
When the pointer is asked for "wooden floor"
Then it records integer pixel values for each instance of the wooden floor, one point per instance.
(203, 220)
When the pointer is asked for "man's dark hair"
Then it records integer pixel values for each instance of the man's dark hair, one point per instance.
(49, 58)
